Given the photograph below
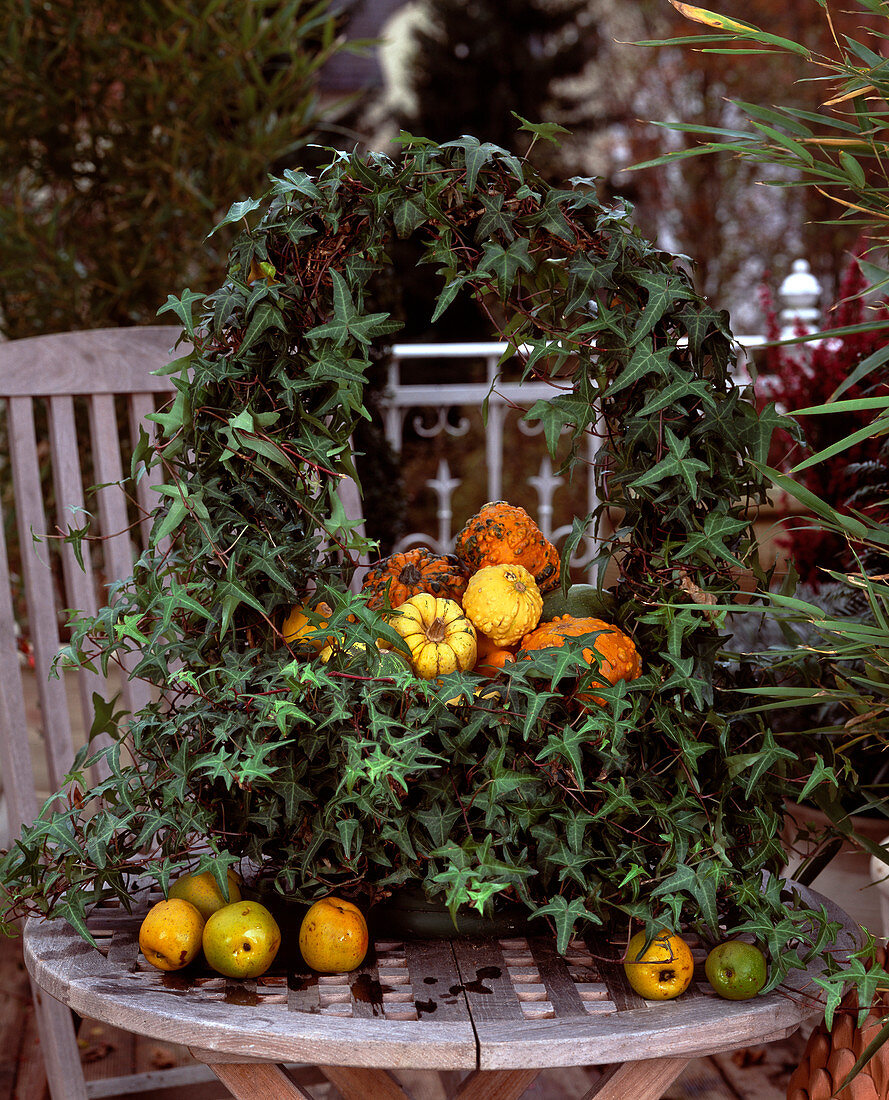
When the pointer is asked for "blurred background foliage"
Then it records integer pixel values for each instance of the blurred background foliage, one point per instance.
(128, 127)
(799, 376)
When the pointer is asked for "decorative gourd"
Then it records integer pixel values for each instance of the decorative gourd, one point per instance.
(493, 661)
(412, 572)
(504, 534)
(438, 636)
(583, 601)
(504, 602)
(618, 656)
(487, 645)
(297, 626)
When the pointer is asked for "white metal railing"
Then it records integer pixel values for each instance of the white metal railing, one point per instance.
(408, 403)
(798, 295)
(501, 396)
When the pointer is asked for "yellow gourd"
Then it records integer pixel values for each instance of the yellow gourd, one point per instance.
(438, 636)
(504, 602)
(297, 627)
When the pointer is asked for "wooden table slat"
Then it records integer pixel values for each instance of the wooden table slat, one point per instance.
(485, 981)
(541, 1012)
(436, 981)
(561, 988)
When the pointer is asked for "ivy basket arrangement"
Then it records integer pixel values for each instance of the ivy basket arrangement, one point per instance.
(472, 727)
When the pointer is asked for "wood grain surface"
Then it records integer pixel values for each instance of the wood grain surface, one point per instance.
(466, 1004)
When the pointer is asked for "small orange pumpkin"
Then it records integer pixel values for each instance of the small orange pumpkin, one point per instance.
(619, 659)
(504, 534)
(412, 572)
(493, 661)
(486, 644)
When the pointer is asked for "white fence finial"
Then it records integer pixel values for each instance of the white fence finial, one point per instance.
(799, 294)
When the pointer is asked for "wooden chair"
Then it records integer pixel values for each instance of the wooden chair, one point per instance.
(69, 399)
(74, 404)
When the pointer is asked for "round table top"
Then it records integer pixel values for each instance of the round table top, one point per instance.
(467, 1003)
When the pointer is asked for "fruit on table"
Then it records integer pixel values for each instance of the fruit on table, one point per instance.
(583, 601)
(736, 969)
(662, 972)
(504, 534)
(504, 602)
(412, 572)
(438, 637)
(297, 626)
(333, 936)
(618, 657)
(241, 940)
(203, 891)
(170, 934)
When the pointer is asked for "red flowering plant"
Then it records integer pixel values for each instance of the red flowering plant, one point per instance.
(798, 376)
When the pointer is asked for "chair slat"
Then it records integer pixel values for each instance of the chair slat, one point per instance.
(80, 593)
(139, 406)
(15, 757)
(117, 541)
(39, 586)
(58, 368)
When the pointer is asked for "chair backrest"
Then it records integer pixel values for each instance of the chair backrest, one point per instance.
(74, 404)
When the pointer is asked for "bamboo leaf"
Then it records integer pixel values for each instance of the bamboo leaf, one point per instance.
(743, 30)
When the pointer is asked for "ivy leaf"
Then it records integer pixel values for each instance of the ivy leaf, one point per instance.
(267, 315)
(348, 321)
(495, 219)
(231, 595)
(409, 215)
(507, 262)
(236, 212)
(663, 291)
(565, 915)
(438, 820)
(545, 130)
(580, 526)
(645, 360)
(556, 414)
(699, 884)
(477, 156)
(678, 463)
(681, 389)
(183, 307)
(767, 756)
(552, 218)
(294, 180)
(452, 288)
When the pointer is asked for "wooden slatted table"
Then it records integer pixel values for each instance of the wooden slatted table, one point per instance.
(502, 1009)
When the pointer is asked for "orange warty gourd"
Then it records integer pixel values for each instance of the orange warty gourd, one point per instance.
(412, 572)
(619, 658)
(504, 534)
(491, 657)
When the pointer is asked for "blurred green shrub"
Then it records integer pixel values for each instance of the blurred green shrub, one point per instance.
(128, 127)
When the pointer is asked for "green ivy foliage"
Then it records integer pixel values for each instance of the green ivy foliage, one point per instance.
(663, 804)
